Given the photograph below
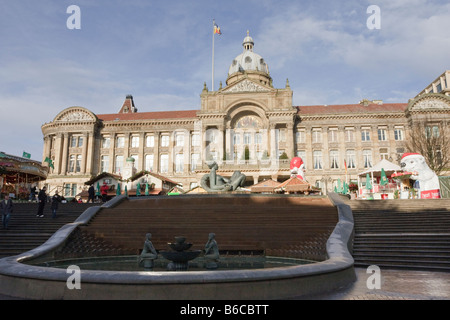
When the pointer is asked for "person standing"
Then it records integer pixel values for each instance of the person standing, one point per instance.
(104, 191)
(91, 192)
(33, 193)
(7, 208)
(42, 198)
(56, 199)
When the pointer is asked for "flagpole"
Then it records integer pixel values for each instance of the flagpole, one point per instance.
(212, 81)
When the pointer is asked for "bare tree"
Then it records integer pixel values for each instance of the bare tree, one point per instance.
(432, 141)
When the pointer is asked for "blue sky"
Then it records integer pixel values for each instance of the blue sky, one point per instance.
(160, 52)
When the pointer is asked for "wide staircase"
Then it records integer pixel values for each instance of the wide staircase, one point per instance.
(26, 231)
(410, 234)
(279, 226)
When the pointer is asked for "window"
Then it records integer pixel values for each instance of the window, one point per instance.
(136, 159)
(333, 135)
(179, 160)
(351, 159)
(365, 135)
(149, 162)
(179, 139)
(74, 163)
(247, 138)
(78, 164)
(120, 142)
(195, 159)
(349, 135)
(118, 166)
(164, 141)
(382, 134)
(236, 138)
(317, 158)
(258, 138)
(196, 140)
(71, 163)
(70, 190)
(317, 135)
(384, 154)
(334, 159)
(106, 142)
(164, 163)
(150, 141)
(211, 136)
(398, 134)
(300, 136)
(367, 158)
(80, 142)
(399, 152)
(73, 142)
(104, 166)
(435, 130)
(281, 135)
(213, 155)
(302, 154)
(134, 141)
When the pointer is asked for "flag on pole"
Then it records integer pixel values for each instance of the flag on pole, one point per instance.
(50, 162)
(26, 155)
(345, 166)
(217, 29)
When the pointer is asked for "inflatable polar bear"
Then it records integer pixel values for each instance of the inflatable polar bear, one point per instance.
(428, 180)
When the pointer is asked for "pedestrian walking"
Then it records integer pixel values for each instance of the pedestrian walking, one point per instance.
(42, 199)
(56, 199)
(6, 207)
(91, 192)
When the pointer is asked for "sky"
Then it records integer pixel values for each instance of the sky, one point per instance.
(332, 52)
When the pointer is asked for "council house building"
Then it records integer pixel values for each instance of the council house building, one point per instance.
(246, 125)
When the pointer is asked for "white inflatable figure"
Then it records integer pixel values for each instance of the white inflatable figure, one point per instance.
(428, 180)
(298, 168)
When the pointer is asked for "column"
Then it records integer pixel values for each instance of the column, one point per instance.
(290, 140)
(90, 152)
(228, 144)
(171, 153)
(58, 152)
(156, 151)
(221, 144)
(65, 151)
(84, 152)
(141, 164)
(112, 149)
(273, 142)
(187, 151)
(47, 147)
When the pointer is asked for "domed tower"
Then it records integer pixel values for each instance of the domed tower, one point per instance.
(249, 64)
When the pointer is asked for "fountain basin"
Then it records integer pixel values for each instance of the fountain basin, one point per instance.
(22, 280)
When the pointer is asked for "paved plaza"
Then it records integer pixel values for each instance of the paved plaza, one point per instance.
(395, 285)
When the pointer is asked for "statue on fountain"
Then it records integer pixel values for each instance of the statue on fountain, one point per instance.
(211, 252)
(148, 254)
(213, 182)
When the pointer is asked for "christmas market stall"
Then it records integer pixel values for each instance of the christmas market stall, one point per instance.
(378, 182)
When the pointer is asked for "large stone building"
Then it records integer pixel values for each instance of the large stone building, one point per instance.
(247, 125)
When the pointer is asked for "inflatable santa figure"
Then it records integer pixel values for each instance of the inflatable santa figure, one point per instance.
(421, 172)
(297, 168)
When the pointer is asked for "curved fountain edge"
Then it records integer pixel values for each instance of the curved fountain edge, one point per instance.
(33, 282)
